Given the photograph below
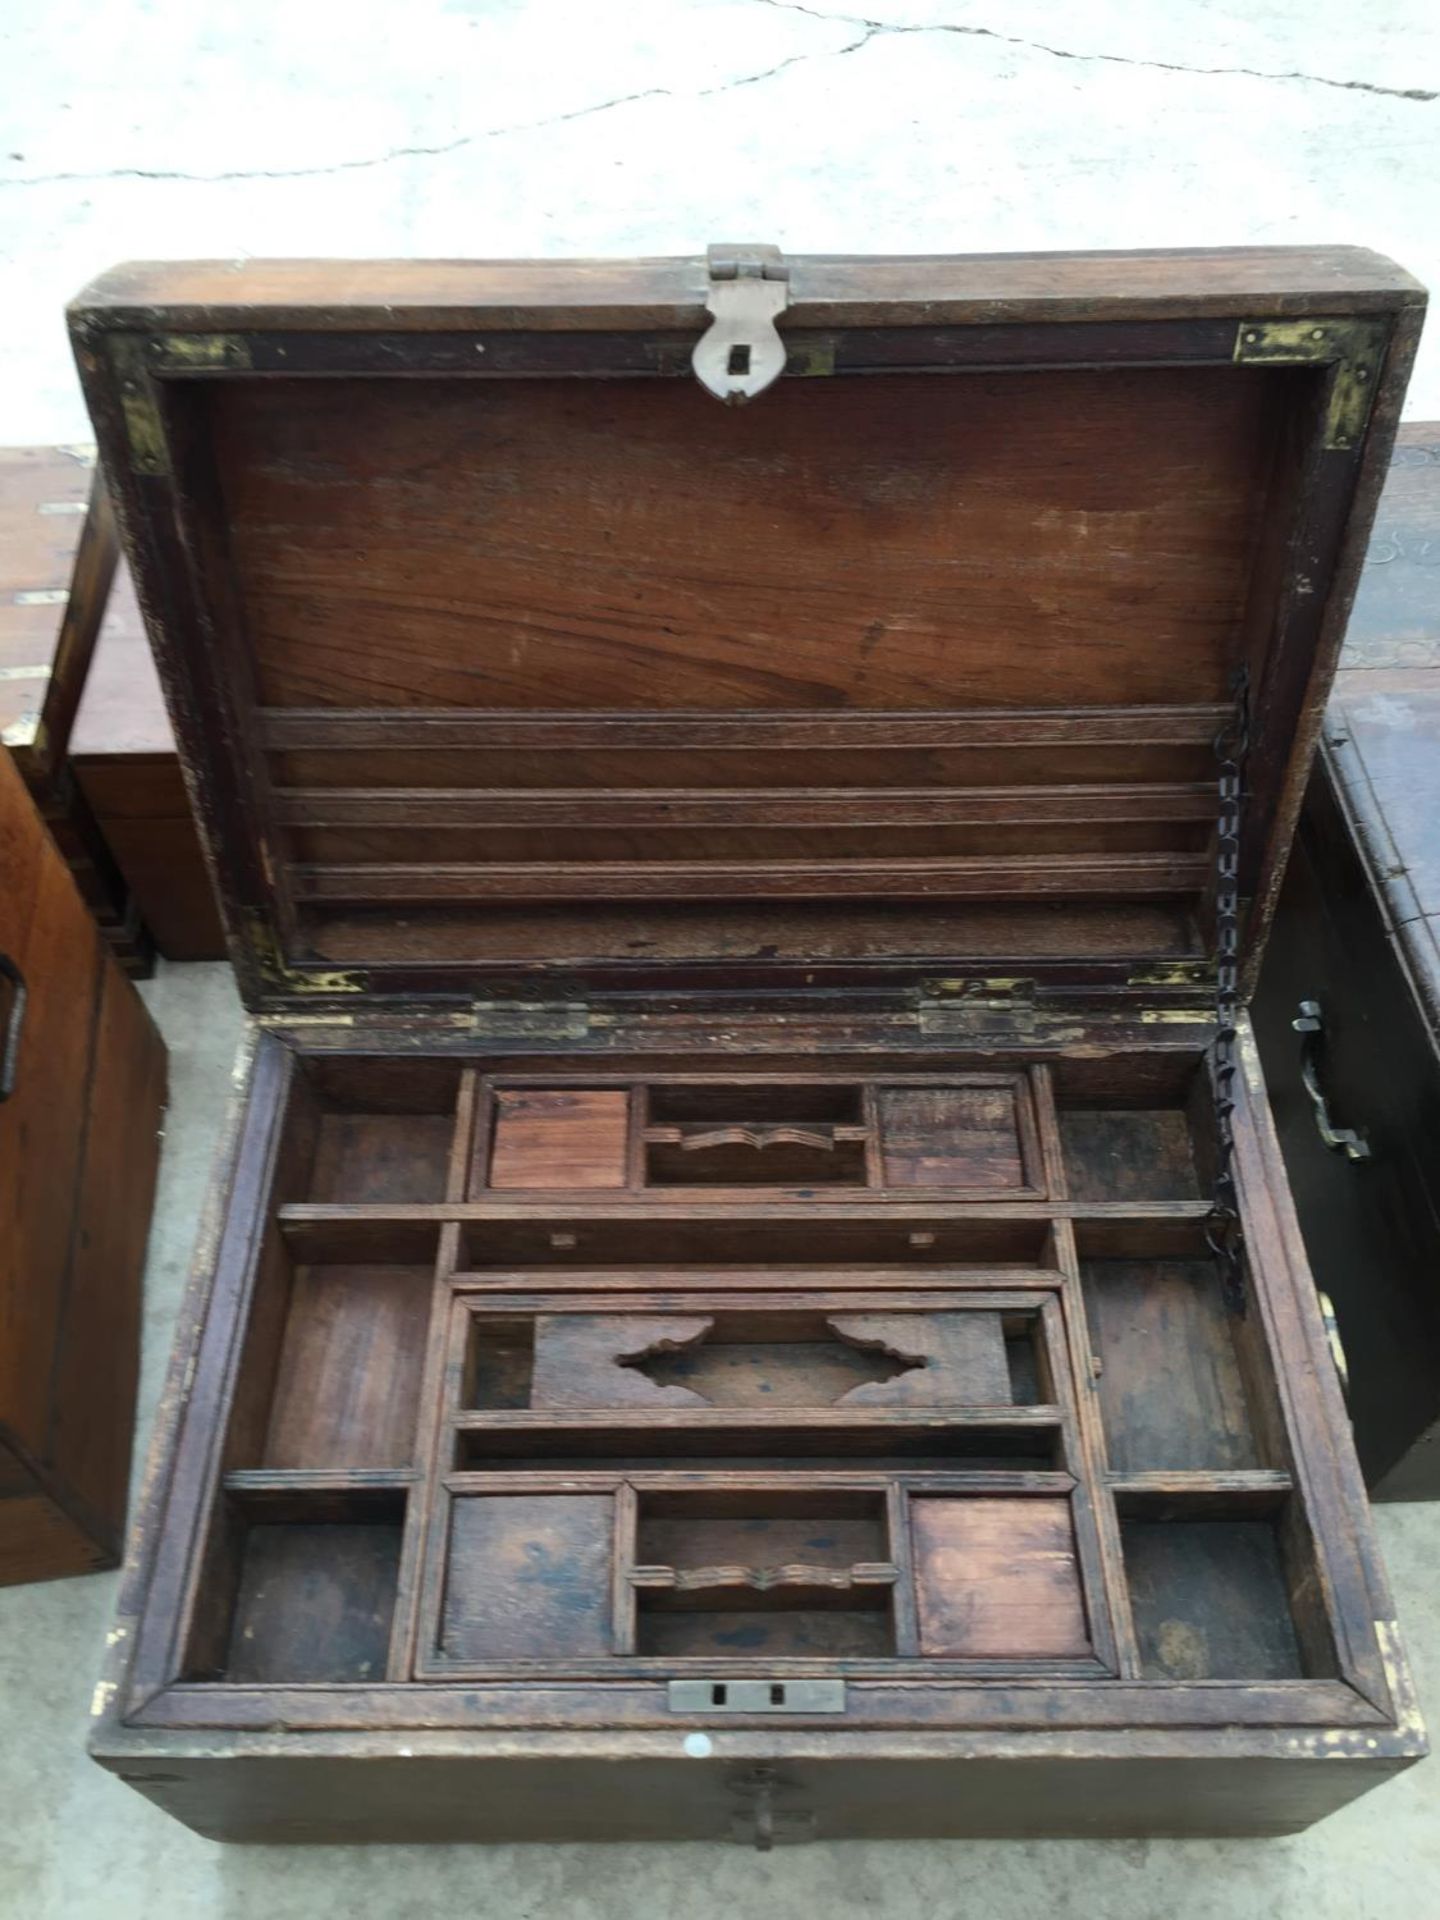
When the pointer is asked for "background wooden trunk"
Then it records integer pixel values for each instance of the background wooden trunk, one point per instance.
(1358, 931)
(79, 1146)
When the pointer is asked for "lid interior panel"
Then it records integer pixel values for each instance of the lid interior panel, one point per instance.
(629, 560)
(1035, 539)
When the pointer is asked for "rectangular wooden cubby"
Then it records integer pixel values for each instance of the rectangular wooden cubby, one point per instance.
(588, 1376)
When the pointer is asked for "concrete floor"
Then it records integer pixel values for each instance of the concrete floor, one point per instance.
(468, 127)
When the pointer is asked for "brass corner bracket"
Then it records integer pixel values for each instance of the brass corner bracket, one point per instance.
(1355, 348)
(277, 974)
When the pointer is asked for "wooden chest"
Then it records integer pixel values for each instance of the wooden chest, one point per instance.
(57, 564)
(82, 1095)
(707, 1323)
(82, 712)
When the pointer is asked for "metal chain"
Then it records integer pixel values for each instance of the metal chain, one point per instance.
(1222, 1229)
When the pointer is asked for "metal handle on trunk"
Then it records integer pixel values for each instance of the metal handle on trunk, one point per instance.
(10, 1054)
(1310, 1025)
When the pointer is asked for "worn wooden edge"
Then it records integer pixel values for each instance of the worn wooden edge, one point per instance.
(1002, 1288)
(1327, 1473)
(1292, 1720)
(781, 1027)
(220, 295)
(718, 1205)
(97, 555)
(151, 1499)
(1357, 520)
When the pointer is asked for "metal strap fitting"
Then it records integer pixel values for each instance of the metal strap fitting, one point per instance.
(1223, 1229)
(741, 353)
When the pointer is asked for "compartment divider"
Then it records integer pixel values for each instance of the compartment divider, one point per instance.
(637, 1136)
(725, 1419)
(634, 1285)
(874, 1146)
(471, 1117)
(1049, 1149)
(1160, 1495)
(904, 1607)
(260, 1483)
(622, 1596)
(906, 1480)
(1107, 1583)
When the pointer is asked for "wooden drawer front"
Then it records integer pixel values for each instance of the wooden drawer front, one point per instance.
(974, 1135)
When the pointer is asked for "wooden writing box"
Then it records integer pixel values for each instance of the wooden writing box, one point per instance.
(706, 1324)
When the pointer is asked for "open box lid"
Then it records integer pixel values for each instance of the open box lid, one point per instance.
(505, 662)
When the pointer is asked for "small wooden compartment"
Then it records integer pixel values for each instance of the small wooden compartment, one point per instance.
(973, 1135)
(710, 1324)
(299, 1588)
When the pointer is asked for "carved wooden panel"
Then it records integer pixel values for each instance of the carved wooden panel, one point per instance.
(953, 1359)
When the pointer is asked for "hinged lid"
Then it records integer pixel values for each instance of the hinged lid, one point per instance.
(506, 664)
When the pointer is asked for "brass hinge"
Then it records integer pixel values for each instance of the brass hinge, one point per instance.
(282, 1022)
(1354, 347)
(968, 1007)
(279, 975)
(198, 352)
(741, 353)
(1172, 973)
(139, 406)
(137, 361)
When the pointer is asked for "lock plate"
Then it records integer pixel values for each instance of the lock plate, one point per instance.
(741, 353)
(757, 1696)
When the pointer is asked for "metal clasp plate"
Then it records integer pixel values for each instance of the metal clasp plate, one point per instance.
(757, 1696)
(741, 353)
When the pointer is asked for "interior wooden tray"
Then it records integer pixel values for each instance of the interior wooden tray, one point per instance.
(565, 1374)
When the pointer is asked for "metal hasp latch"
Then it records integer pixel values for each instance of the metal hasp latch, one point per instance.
(768, 1815)
(741, 353)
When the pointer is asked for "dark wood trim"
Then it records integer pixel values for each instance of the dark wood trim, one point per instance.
(826, 290)
(194, 1471)
(1258, 1713)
